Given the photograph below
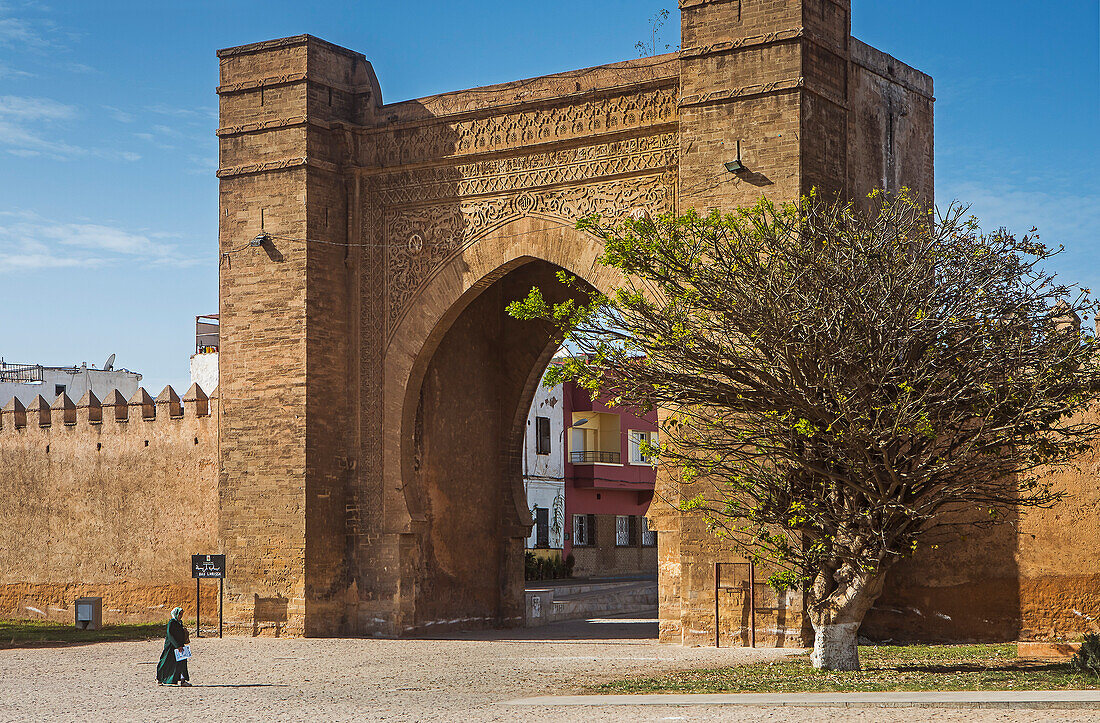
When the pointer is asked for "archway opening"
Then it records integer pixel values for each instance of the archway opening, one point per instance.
(464, 454)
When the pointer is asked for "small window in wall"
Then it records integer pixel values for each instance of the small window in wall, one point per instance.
(542, 527)
(637, 440)
(58, 389)
(584, 530)
(649, 537)
(542, 435)
(626, 531)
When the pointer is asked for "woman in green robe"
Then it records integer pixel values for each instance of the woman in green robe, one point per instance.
(169, 670)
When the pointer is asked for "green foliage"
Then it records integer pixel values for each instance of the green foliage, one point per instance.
(885, 668)
(1087, 659)
(546, 568)
(838, 378)
(29, 633)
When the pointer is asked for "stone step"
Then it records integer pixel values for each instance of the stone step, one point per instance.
(551, 605)
(563, 591)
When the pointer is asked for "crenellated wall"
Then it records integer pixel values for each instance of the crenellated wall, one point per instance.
(363, 473)
(107, 498)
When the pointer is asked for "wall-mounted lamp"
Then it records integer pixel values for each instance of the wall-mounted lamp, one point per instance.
(736, 165)
(262, 238)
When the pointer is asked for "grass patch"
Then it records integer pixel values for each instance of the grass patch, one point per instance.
(29, 633)
(885, 668)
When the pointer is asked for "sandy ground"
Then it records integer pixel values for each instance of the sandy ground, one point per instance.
(460, 678)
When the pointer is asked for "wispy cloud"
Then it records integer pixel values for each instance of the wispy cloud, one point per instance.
(207, 112)
(22, 121)
(30, 242)
(202, 165)
(25, 108)
(26, 25)
(25, 123)
(6, 71)
(18, 31)
(118, 114)
(1070, 218)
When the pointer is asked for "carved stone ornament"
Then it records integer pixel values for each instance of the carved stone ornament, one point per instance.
(432, 141)
(443, 230)
(570, 165)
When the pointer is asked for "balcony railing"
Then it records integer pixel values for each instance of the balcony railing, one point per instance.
(20, 372)
(594, 457)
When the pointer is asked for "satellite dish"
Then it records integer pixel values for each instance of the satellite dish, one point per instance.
(109, 364)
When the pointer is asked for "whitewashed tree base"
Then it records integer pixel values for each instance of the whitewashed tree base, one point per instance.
(835, 647)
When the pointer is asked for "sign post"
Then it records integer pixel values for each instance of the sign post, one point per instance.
(208, 566)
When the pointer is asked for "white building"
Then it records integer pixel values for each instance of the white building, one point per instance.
(544, 468)
(204, 370)
(204, 362)
(26, 381)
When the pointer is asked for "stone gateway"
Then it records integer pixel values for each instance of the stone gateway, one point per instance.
(372, 389)
(360, 463)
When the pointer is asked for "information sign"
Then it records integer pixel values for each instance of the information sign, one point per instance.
(207, 566)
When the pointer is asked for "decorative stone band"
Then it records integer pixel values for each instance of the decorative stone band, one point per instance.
(723, 46)
(730, 94)
(297, 120)
(685, 4)
(288, 79)
(141, 406)
(279, 165)
(268, 82)
(755, 41)
(499, 175)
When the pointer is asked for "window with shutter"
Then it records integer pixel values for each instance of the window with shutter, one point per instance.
(584, 530)
(649, 537)
(637, 440)
(542, 527)
(542, 435)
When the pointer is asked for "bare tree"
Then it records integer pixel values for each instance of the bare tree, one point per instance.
(653, 47)
(841, 386)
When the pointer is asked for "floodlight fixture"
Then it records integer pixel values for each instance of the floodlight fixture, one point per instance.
(736, 165)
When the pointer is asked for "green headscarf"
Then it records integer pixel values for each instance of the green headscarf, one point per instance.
(176, 613)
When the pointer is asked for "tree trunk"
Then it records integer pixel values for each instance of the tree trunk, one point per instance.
(835, 646)
(837, 617)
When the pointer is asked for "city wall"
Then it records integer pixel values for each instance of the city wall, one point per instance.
(107, 498)
(362, 470)
(1036, 577)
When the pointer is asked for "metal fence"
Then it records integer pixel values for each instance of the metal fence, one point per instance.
(592, 456)
(20, 372)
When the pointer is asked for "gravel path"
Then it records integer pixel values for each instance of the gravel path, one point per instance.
(463, 677)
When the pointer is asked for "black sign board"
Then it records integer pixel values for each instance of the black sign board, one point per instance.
(207, 566)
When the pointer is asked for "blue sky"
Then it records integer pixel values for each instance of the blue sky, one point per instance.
(108, 199)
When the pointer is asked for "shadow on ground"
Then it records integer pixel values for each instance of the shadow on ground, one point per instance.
(632, 626)
(1020, 666)
(43, 634)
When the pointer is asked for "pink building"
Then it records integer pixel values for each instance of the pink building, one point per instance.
(608, 486)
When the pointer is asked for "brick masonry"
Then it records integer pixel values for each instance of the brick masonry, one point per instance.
(372, 391)
(362, 334)
(107, 499)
